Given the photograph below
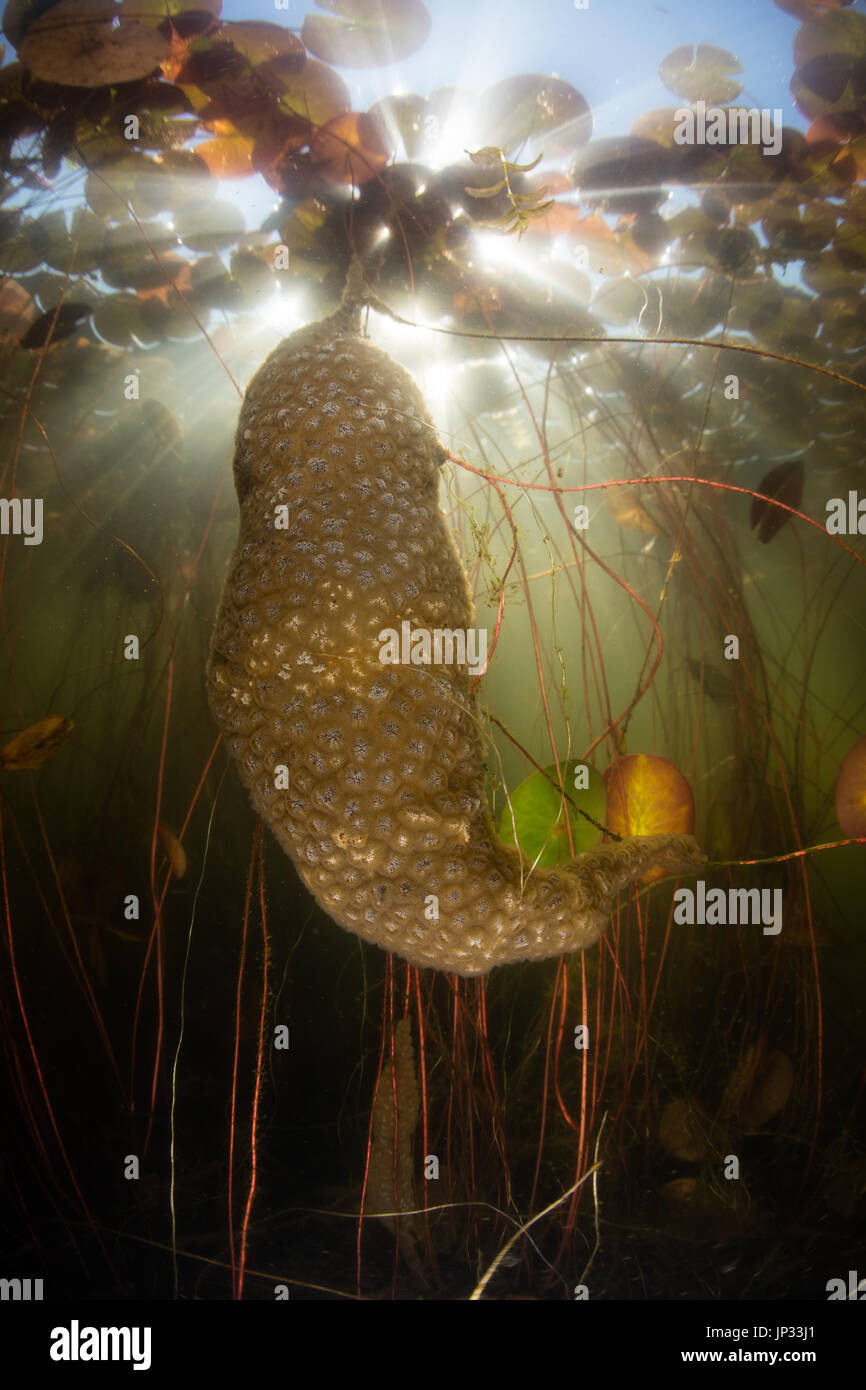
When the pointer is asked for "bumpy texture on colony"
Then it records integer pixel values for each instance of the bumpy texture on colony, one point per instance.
(385, 814)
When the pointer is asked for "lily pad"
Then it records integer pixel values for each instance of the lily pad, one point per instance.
(129, 248)
(118, 184)
(179, 13)
(210, 226)
(317, 93)
(796, 235)
(227, 156)
(770, 1090)
(626, 507)
(118, 321)
(261, 42)
(681, 1133)
(29, 749)
(407, 118)
(17, 308)
(538, 810)
(647, 795)
(850, 794)
(54, 325)
(701, 72)
(18, 254)
(366, 33)
(90, 43)
(659, 124)
(783, 484)
(532, 108)
(349, 149)
(810, 9)
(836, 32)
(622, 174)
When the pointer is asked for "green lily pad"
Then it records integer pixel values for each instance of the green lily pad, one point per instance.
(701, 72)
(366, 33)
(540, 810)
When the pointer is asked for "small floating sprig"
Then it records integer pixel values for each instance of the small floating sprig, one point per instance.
(524, 206)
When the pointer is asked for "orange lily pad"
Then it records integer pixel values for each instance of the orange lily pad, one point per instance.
(647, 795)
(851, 791)
(29, 749)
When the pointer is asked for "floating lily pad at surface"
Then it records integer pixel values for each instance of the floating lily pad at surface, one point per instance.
(366, 33)
(701, 72)
(408, 118)
(833, 33)
(55, 325)
(810, 9)
(78, 44)
(533, 108)
(317, 93)
(621, 174)
(209, 226)
(660, 125)
(118, 321)
(227, 156)
(262, 42)
(830, 53)
(539, 812)
(349, 149)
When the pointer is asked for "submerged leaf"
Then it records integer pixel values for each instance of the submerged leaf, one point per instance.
(536, 817)
(486, 192)
(647, 795)
(784, 484)
(173, 849)
(625, 506)
(770, 1090)
(850, 796)
(487, 155)
(16, 307)
(680, 1134)
(714, 685)
(699, 1214)
(29, 749)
